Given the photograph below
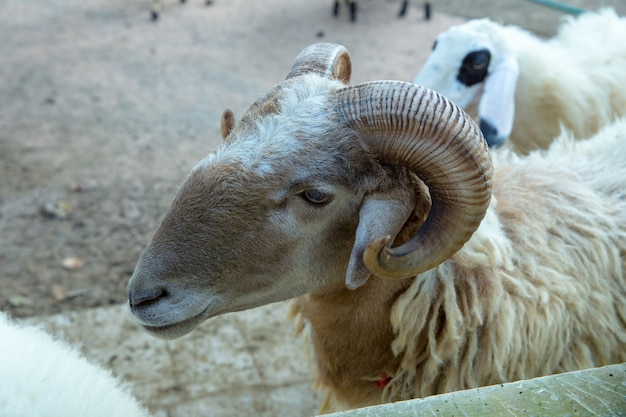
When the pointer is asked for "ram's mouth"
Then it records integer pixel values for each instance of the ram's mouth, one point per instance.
(178, 329)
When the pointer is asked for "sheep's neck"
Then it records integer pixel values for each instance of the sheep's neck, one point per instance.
(351, 335)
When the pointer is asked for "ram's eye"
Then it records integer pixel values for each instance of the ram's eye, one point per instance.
(316, 197)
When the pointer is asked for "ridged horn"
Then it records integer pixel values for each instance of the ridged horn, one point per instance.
(329, 60)
(408, 125)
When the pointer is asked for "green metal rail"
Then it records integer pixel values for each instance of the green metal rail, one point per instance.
(560, 6)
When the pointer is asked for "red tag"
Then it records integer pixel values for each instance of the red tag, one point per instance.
(383, 381)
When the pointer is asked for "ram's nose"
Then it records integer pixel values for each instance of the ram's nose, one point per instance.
(145, 297)
(144, 290)
(147, 286)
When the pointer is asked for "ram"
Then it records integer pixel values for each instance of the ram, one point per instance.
(526, 88)
(418, 268)
(41, 376)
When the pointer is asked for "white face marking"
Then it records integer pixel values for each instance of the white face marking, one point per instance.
(440, 71)
(303, 112)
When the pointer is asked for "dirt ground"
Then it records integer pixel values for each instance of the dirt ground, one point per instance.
(103, 112)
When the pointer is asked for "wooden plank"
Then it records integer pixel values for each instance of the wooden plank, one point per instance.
(589, 392)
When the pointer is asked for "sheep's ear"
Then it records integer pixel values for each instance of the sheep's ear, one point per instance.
(497, 104)
(379, 216)
(227, 123)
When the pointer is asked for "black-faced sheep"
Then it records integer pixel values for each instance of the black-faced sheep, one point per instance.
(44, 377)
(525, 88)
(318, 178)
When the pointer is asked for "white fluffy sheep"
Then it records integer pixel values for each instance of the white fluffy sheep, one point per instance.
(317, 178)
(44, 377)
(525, 88)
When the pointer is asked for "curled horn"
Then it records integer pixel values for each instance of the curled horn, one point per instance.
(326, 59)
(408, 125)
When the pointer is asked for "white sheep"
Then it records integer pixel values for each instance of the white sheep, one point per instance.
(318, 176)
(44, 377)
(525, 88)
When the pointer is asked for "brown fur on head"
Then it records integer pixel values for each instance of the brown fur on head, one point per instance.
(270, 215)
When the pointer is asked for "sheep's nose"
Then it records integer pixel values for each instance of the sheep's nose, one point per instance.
(145, 297)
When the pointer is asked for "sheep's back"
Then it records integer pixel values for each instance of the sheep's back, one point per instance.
(574, 80)
(539, 289)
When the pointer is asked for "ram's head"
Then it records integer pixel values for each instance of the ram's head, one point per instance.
(308, 194)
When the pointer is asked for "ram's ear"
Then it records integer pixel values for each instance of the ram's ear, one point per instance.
(497, 103)
(227, 123)
(380, 215)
